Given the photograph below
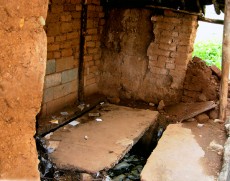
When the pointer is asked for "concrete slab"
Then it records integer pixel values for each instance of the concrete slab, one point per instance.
(184, 111)
(177, 157)
(96, 146)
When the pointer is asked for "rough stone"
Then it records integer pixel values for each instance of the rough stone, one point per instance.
(202, 118)
(213, 114)
(23, 59)
(50, 66)
(69, 75)
(161, 105)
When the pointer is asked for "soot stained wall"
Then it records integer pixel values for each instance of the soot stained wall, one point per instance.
(146, 60)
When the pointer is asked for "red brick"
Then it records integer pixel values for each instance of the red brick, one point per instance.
(75, 1)
(50, 55)
(66, 44)
(160, 71)
(57, 54)
(53, 29)
(184, 49)
(88, 57)
(57, 8)
(90, 44)
(52, 18)
(67, 52)
(78, 7)
(69, 8)
(50, 39)
(60, 38)
(91, 31)
(72, 35)
(172, 20)
(101, 15)
(170, 47)
(92, 50)
(66, 17)
(53, 47)
(76, 15)
(57, 1)
(93, 69)
(64, 64)
(165, 26)
(76, 24)
(66, 27)
(101, 22)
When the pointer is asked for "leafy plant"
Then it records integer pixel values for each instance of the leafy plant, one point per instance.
(209, 51)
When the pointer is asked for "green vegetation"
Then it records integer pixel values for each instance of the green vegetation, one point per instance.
(209, 51)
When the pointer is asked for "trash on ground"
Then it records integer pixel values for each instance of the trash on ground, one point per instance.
(81, 107)
(159, 133)
(216, 147)
(161, 105)
(101, 103)
(151, 104)
(54, 121)
(64, 113)
(98, 119)
(125, 142)
(74, 123)
(92, 114)
(53, 145)
(48, 135)
(86, 137)
(200, 125)
(129, 168)
(107, 178)
(218, 121)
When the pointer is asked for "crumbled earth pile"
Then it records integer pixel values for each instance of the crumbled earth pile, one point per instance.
(200, 82)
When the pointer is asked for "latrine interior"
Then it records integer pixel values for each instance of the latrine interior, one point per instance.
(125, 53)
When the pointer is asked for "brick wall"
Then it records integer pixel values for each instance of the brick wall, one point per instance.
(171, 49)
(145, 57)
(92, 52)
(63, 28)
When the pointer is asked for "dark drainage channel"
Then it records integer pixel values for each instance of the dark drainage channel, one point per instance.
(128, 168)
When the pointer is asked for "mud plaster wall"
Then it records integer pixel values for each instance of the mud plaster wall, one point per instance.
(146, 60)
(63, 28)
(22, 70)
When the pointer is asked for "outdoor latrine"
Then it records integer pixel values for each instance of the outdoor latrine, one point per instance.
(120, 49)
(101, 49)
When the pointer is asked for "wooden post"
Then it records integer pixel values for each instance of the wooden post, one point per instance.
(225, 62)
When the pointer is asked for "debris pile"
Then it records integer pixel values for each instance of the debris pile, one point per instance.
(128, 168)
(201, 82)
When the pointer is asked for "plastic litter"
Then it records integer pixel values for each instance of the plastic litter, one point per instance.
(64, 113)
(218, 121)
(216, 147)
(98, 119)
(200, 125)
(53, 145)
(151, 104)
(54, 121)
(81, 107)
(74, 123)
(86, 137)
(48, 135)
(96, 114)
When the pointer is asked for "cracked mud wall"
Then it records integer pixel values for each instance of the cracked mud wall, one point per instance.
(146, 60)
(22, 70)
